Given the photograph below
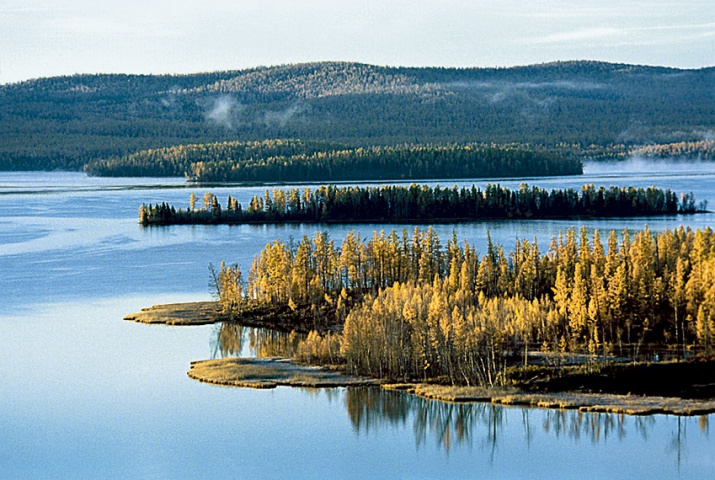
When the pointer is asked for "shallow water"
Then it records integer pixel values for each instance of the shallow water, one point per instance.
(85, 394)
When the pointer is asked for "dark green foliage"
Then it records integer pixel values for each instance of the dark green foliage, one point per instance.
(571, 107)
(297, 161)
(425, 204)
(210, 162)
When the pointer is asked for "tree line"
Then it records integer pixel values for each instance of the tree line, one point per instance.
(699, 150)
(426, 310)
(421, 203)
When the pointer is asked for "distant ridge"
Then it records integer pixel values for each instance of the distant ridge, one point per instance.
(575, 107)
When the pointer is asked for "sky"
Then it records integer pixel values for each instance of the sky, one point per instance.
(41, 38)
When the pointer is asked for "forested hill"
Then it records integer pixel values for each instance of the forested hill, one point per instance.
(573, 107)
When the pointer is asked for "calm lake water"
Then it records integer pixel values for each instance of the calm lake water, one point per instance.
(85, 394)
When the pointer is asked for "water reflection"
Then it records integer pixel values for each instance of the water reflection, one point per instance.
(234, 340)
(482, 424)
(452, 425)
(371, 409)
(596, 427)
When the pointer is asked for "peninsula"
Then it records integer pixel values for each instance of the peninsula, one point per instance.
(520, 328)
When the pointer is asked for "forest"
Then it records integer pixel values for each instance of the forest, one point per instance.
(421, 203)
(703, 149)
(298, 161)
(579, 108)
(411, 307)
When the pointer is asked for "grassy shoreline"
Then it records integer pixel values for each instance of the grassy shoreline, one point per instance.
(191, 313)
(685, 388)
(280, 318)
(271, 372)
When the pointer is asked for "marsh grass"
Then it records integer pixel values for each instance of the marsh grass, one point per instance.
(585, 402)
(192, 313)
(269, 373)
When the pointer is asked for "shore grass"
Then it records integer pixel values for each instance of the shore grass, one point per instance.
(192, 313)
(254, 314)
(585, 402)
(271, 372)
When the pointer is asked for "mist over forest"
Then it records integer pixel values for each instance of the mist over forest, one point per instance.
(582, 109)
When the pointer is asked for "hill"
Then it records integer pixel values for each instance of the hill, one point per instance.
(569, 107)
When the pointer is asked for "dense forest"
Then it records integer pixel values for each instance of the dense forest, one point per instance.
(422, 204)
(430, 310)
(576, 108)
(298, 161)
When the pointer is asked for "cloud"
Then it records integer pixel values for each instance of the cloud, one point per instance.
(580, 35)
(623, 36)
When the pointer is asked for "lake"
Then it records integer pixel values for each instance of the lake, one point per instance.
(85, 394)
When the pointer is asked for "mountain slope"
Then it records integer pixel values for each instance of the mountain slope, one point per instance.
(65, 122)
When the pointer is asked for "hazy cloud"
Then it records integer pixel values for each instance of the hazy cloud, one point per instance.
(621, 36)
(593, 33)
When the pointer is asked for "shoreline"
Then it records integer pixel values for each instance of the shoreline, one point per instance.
(280, 318)
(412, 221)
(183, 314)
(270, 372)
(583, 402)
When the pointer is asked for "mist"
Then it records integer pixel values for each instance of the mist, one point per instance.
(637, 165)
(533, 100)
(496, 92)
(707, 135)
(282, 117)
(224, 111)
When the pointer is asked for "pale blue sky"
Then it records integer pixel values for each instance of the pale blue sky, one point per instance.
(57, 37)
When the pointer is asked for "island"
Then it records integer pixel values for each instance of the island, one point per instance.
(289, 160)
(422, 204)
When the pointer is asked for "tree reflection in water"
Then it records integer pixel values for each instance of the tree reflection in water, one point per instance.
(462, 423)
(679, 436)
(447, 423)
(373, 408)
(595, 426)
(231, 340)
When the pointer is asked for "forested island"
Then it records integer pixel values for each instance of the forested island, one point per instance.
(299, 161)
(581, 109)
(416, 203)
(412, 308)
